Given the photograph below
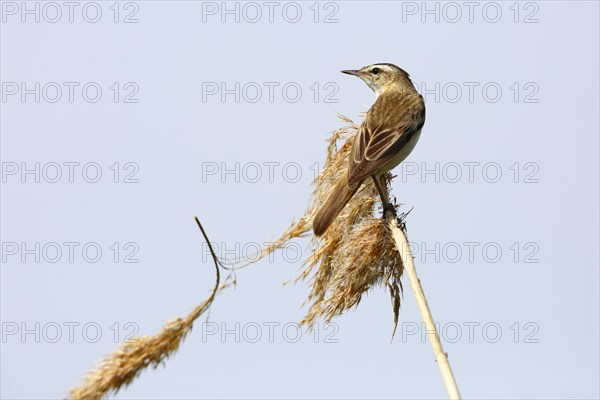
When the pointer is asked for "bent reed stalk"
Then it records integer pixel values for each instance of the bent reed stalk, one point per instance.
(441, 357)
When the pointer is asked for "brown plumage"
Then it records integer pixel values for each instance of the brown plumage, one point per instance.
(340, 196)
(386, 137)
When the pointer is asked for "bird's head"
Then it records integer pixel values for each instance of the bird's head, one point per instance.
(380, 77)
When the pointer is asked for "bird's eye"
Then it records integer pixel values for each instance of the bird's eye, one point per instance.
(375, 71)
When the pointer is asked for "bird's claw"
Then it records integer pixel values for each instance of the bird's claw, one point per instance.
(389, 207)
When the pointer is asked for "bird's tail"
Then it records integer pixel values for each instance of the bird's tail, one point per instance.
(330, 209)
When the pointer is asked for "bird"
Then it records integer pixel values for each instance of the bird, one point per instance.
(387, 135)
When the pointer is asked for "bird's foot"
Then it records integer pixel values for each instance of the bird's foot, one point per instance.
(389, 208)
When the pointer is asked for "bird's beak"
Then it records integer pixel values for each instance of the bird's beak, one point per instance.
(354, 72)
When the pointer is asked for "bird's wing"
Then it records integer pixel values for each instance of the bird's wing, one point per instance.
(389, 125)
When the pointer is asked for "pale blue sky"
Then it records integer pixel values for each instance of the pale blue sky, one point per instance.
(515, 98)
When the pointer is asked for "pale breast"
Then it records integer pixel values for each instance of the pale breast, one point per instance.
(401, 155)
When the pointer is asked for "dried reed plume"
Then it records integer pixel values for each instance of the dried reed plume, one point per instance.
(356, 253)
(122, 367)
